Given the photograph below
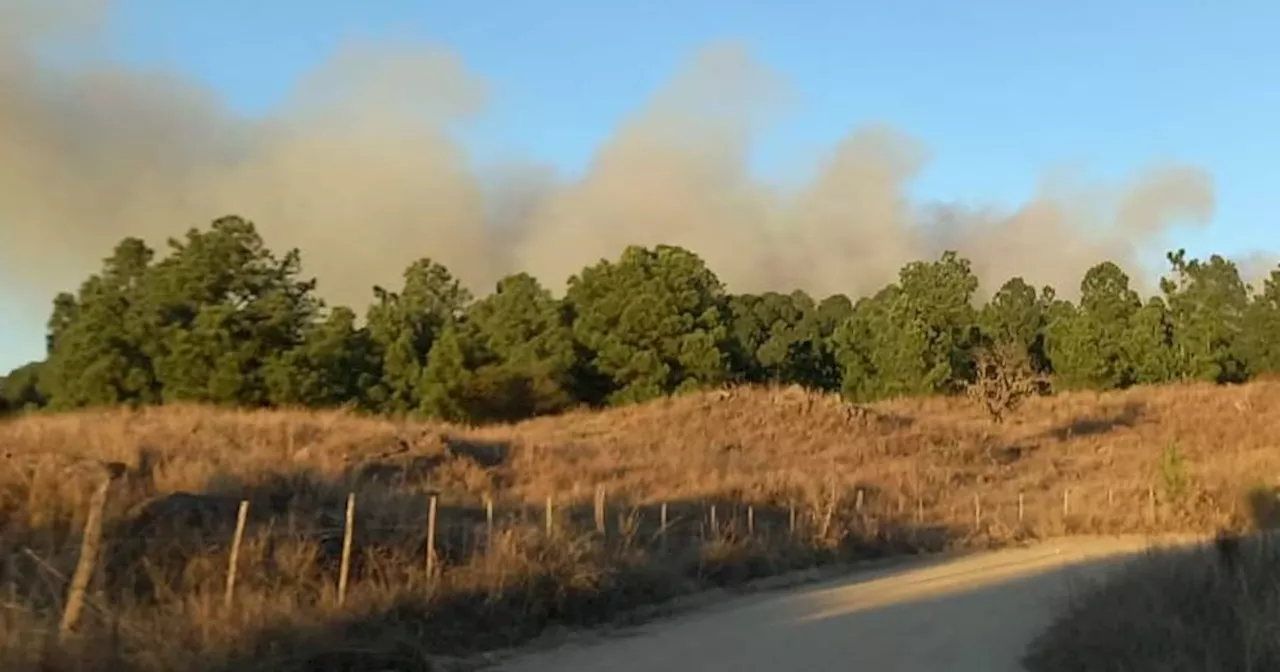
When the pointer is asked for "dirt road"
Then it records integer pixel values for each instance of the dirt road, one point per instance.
(971, 613)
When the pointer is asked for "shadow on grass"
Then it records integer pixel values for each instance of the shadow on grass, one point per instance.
(861, 621)
(1263, 503)
(495, 586)
(598, 585)
(1125, 417)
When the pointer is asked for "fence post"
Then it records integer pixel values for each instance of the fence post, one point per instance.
(662, 529)
(919, 508)
(977, 512)
(714, 526)
(488, 519)
(344, 572)
(431, 538)
(751, 520)
(600, 520)
(242, 517)
(89, 546)
(857, 505)
(791, 520)
(1020, 508)
(1066, 502)
(549, 514)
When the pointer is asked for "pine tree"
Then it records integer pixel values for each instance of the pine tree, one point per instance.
(652, 323)
(404, 326)
(1207, 306)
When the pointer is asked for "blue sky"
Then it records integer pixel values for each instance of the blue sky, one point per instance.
(998, 90)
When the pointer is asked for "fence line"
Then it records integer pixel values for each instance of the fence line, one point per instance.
(871, 515)
(486, 518)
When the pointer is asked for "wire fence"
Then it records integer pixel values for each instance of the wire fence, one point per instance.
(447, 535)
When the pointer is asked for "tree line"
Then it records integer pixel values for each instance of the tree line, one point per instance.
(221, 319)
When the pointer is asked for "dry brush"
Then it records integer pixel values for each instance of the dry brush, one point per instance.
(748, 481)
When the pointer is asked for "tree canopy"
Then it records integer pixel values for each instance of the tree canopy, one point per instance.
(220, 318)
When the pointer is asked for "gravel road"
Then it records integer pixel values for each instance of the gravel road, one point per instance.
(975, 612)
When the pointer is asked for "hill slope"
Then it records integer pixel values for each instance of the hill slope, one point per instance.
(750, 481)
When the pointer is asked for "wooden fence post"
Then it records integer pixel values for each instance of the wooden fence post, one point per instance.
(919, 508)
(242, 516)
(857, 505)
(89, 547)
(431, 538)
(600, 519)
(1066, 502)
(715, 527)
(344, 572)
(1021, 508)
(662, 529)
(977, 512)
(791, 520)
(549, 514)
(488, 519)
(751, 520)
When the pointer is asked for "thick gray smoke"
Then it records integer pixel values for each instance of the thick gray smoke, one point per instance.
(354, 169)
(358, 169)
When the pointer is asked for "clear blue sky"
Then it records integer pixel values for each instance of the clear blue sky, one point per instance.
(998, 90)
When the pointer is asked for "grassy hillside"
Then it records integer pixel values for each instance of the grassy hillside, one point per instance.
(791, 479)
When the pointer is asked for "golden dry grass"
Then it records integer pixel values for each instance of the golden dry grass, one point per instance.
(900, 476)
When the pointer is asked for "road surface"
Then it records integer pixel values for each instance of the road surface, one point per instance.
(974, 613)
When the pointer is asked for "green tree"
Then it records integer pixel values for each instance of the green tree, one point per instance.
(1017, 315)
(99, 338)
(335, 364)
(832, 312)
(404, 326)
(20, 389)
(219, 308)
(823, 362)
(863, 345)
(510, 357)
(1260, 342)
(445, 391)
(915, 337)
(527, 347)
(1207, 305)
(1150, 344)
(1089, 346)
(652, 323)
(759, 329)
(786, 338)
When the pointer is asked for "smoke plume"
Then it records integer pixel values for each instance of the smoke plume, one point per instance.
(358, 169)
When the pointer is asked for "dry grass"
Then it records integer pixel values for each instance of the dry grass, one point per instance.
(923, 469)
(1175, 610)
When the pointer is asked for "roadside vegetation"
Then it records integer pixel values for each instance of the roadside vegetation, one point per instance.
(1214, 608)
